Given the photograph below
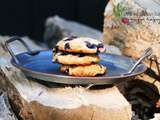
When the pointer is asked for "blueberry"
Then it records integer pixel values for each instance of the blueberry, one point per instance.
(56, 49)
(56, 60)
(96, 54)
(70, 38)
(100, 45)
(66, 46)
(66, 70)
(89, 45)
(87, 42)
(92, 46)
(81, 55)
(64, 53)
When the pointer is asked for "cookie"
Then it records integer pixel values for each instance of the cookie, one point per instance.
(80, 45)
(75, 59)
(84, 71)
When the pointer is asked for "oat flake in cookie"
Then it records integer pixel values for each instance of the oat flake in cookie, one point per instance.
(75, 59)
(80, 45)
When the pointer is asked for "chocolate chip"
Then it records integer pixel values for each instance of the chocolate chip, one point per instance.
(100, 45)
(89, 45)
(70, 38)
(66, 46)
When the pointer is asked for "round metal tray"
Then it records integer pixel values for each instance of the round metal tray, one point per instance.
(39, 65)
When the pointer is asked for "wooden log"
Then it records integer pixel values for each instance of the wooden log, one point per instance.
(35, 101)
(133, 38)
(38, 102)
(6, 112)
(122, 30)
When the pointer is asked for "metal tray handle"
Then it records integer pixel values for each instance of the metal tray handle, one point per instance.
(10, 50)
(147, 53)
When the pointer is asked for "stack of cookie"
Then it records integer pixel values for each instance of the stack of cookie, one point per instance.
(79, 56)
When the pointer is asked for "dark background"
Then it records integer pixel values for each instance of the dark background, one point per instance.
(27, 17)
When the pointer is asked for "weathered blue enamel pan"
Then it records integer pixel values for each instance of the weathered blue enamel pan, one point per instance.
(39, 65)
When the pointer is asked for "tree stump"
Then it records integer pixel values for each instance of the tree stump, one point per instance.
(35, 101)
(127, 26)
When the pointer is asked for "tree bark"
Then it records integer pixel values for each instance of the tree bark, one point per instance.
(6, 112)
